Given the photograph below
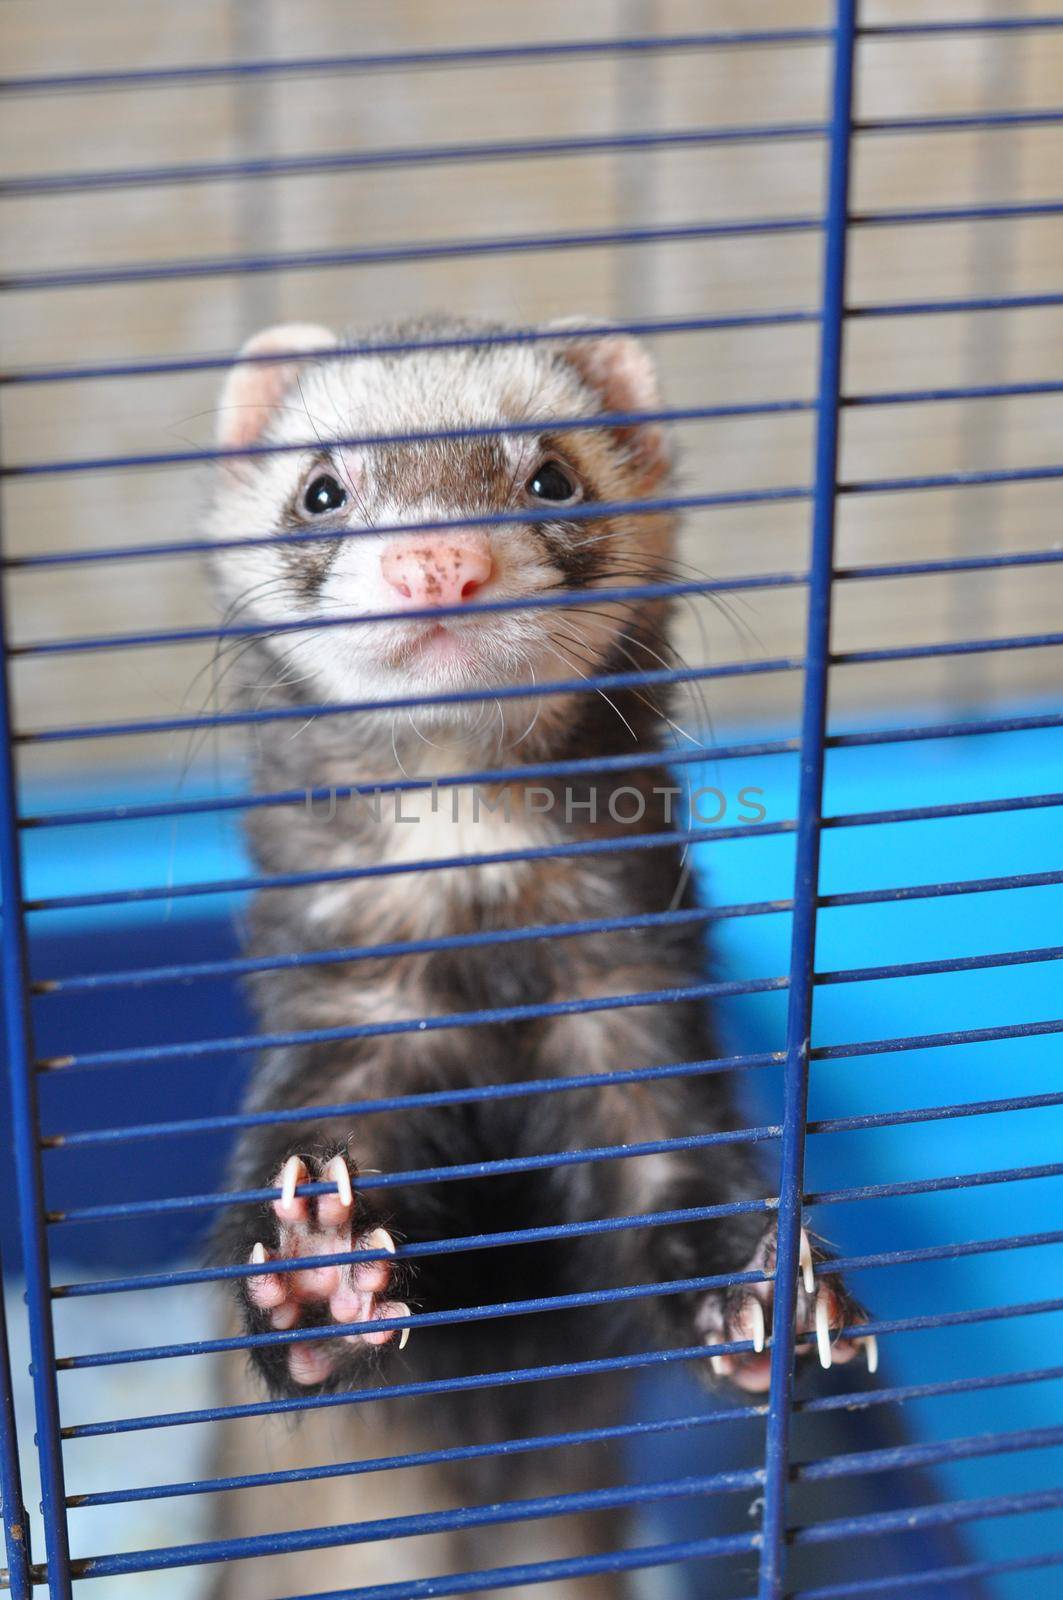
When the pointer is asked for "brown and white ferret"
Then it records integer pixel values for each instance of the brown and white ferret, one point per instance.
(451, 381)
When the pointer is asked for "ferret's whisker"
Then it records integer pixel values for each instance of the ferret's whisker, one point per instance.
(664, 568)
(535, 716)
(568, 662)
(684, 869)
(395, 746)
(416, 731)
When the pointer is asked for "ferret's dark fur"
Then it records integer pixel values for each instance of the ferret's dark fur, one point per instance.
(345, 396)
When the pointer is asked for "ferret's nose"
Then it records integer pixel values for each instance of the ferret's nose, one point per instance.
(438, 571)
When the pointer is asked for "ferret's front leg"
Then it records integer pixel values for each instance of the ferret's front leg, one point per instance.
(721, 1174)
(337, 1296)
(748, 1311)
(744, 1243)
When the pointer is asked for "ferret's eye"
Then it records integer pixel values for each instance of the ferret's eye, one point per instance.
(550, 481)
(324, 494)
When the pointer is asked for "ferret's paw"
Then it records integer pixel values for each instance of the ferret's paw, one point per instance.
(327, 1295)
(745, 1313)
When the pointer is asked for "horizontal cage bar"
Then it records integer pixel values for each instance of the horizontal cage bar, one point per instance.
(232, 1121)
(670, 415)
(587, 847)
(432, 1097)
(887, 1459)
(590, 684)
(914, 1517)
(81, 644)
(578, 513)
(534, 1572)
(229, 967)
(480, 1380)
(419, 1458)
(960, 25)
(898, 1457)
(409, 1526)
(516, 1511)
(498, 1015)
(501, 1166)
(623, 1152)
(465, 431)
(327, 162)
(567, 1230)
(548, 1305)
(572, 1369)
(461, 1019)
(853, 1400)
(957, 306)
(541, 602)
(587, 685)
(943, 1388)
(968, 1571)
(201, 267)
(681, 756)
(648, 327)
(33, 185)
(536, 1305)
(391, 61)
(433, 1247)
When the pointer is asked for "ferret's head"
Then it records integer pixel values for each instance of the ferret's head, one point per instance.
(433, 581)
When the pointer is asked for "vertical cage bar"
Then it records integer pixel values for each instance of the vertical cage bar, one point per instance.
(809, 823)
(16, 1522)
(29, 1177)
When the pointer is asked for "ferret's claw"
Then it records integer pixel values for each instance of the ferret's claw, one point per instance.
(266, 1290)
(293, 1173)
(379, 1239)
(337, 1171)
(823, 1333)
(756, 1312)
(334, 1208)
(808, 1275)
(404, 1333)
(744, 1317)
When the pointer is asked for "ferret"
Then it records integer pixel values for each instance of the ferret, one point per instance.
(407, 539)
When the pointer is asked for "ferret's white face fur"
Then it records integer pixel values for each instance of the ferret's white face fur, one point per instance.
(377, 490)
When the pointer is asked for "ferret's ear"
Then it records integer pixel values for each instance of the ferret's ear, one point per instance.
(623, 376)
(254, 389)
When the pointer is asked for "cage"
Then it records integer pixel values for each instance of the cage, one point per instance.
(838, 231)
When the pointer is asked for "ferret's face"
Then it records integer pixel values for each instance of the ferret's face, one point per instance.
(428, 592)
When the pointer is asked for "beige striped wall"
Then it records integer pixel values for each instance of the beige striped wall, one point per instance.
(83, 131)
